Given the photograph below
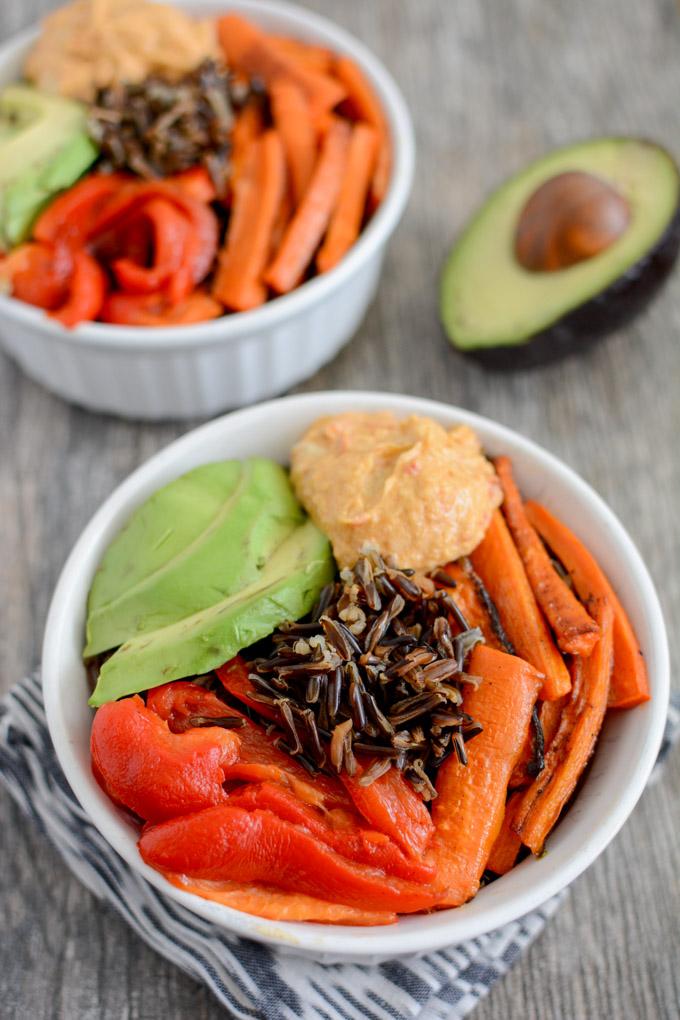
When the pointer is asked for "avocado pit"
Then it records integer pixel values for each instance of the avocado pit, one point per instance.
(570, 218)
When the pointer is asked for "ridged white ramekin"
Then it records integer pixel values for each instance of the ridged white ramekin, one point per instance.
(195, 371)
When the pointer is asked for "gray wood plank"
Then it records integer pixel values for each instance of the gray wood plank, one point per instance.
(492, 85)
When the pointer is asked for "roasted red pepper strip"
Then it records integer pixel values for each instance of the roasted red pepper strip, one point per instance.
(156, 310)
(69, 218)
(181, 701)
(227, 842)
(38, 274)
(234, 677)
(197, 183)
(153, 772)
(391, 805)
(350, 840)
(86, 292)
(170, 233)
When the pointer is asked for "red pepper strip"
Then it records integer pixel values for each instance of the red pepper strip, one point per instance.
(38, 274)
(155, 309)
(153, 772)
(86, 292)
(68, 219)
(276, 905)
(391, 805)
(234, 677)
(260, 760)
(197, 183)
(183, 700)
(354, 842)
(170, 234)
(227, 842)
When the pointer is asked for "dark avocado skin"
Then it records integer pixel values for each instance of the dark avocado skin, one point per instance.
(577, 331)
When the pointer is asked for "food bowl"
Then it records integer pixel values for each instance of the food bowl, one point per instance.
(625, 752)
(195, 371)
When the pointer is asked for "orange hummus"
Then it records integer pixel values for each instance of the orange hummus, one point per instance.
(408, 487)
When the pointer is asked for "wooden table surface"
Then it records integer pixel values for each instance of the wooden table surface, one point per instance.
(491, 85)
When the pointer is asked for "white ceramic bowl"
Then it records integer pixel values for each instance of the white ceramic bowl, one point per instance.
(195, 371)
(625, 753)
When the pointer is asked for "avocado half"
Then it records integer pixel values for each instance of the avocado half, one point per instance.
(508, 316)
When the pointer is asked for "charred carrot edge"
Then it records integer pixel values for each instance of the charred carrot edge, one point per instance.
(498, 563)
(311, 218)
(247, 128)
(508, 844)
(630, 684)
(541, 805)
(249, 50)
(467, 598)
(309, 55)
(470, 804)
(277, 905)
(293, 119)
(549, 715)
(238, 283)
(366, 106)
(575, 631)
(345, 224)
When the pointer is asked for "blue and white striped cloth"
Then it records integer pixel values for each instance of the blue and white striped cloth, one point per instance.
(250, 980)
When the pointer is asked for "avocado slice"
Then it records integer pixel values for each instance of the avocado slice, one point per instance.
(286, 589)
(44, 147)
(508, 316)
(203, 537)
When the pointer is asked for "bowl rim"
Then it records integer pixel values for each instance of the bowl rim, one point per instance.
(280, 309)
(446, 927)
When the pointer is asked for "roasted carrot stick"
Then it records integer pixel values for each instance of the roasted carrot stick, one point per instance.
(293, 119)
(575, 631)
(309, 55)
(467, 598)
(549, 715)
(277, 905)
(468, 811)
(249, 50)
(498, 563)
(541, 805)
(247, 127)
(366, 106)
(508, 844)
(629, 685)
(346, 220)
(238, 283)
(307, 226)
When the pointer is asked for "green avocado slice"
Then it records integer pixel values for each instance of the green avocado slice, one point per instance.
(196, 541)
(286, 589)
(488, 300)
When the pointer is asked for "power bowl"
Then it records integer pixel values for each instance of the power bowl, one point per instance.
(625, 753)
(196, 371)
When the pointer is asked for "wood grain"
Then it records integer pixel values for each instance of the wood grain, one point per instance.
(492, 85)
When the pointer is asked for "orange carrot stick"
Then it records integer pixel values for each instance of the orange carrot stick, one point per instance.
(466, 597)
(309, 55)
(345, 223)
(249, 50)
(468, 811)
(575, 631)
(549, 715)
(508, 844)
(247, 127)
(238, 283)
(541, 805)
(498, 563)
(366, 106)
(293, 119)
(630, 684)
(307, 226)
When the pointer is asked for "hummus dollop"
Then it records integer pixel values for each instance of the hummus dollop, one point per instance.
(407, 487)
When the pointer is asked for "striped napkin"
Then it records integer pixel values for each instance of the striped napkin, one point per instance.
(250, 980)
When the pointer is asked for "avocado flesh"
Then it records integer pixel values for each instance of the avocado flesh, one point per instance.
(196, 541)
(286, 589)
(44, 147)
(489, 301)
